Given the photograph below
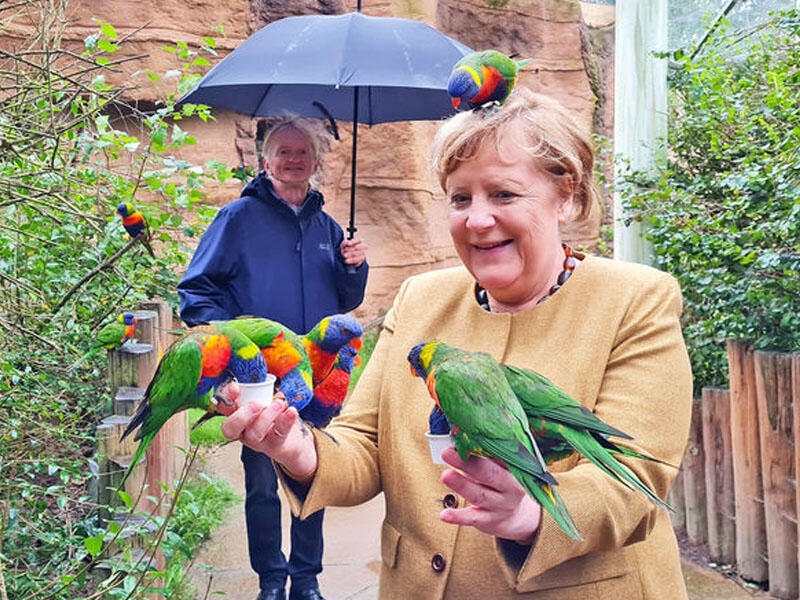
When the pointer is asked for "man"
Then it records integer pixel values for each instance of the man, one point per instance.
(275, 253)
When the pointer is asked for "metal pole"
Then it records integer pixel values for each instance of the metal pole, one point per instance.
(351, 228)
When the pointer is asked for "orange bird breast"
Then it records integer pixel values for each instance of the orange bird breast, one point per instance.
(216, 354)
(281, 356)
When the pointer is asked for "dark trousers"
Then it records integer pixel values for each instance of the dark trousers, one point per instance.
(263, 515)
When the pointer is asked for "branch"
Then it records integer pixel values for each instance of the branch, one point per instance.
(94, 272)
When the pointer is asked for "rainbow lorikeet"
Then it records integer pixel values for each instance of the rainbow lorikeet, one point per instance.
(325, 340)
(111, 336)
(285, 356)
(135, 224)
(482, 77)
(487, 419)
(204, 359)
(561, 426)
(330, 393)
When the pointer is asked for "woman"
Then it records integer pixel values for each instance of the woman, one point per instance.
(606, 332)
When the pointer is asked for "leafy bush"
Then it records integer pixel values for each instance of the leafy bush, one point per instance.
(67, 267)
(724, 214)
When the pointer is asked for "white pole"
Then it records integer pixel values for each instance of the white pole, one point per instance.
(640, 107)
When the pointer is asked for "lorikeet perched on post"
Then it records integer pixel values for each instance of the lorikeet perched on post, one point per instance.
(487, 419)
(325, 340)
(482, 77)
(285, 356)
(135, 224)
(202, 360)
(330, 393)
(111, 336)
(561, 426)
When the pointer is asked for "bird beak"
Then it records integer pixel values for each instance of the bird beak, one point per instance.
(456, 102)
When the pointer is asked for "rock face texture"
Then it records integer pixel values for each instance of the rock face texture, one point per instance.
(401, 213)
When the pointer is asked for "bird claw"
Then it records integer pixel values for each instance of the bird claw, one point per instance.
(218, 398)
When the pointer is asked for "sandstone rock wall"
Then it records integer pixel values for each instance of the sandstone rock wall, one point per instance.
(400, 213)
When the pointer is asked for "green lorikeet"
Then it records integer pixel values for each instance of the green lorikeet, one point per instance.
(325, 340)
(487, 419)
(482, 77)
(135, 224)
(197, 364)
(330, 393)
(561, 426)
(285, 356)
(111, 336)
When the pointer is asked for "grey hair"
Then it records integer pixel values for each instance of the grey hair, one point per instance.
(551, 137)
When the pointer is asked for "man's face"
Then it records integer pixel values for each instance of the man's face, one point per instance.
(291, 158)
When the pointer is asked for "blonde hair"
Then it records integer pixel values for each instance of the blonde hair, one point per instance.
(551, 138)
(312, 129)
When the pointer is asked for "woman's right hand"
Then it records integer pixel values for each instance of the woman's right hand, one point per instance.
(277, 431)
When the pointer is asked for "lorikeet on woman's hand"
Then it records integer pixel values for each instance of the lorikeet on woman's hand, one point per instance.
(135, 224)
(197, 364)
(325, 340)
(330, 394)
(111, 336)
(487, 419)
(285, 355)
(561, 426)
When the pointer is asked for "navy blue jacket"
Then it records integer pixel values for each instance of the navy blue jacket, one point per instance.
(259, 258)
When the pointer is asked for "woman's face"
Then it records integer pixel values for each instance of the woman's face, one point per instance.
(291, 158)
(504, 221)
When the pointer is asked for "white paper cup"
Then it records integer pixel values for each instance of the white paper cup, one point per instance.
(257, 392)
(438, 442)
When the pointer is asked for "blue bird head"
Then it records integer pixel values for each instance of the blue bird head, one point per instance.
(462, 86)
(338, 332)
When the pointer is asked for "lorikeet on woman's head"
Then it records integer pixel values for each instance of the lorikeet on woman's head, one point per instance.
(483, 77)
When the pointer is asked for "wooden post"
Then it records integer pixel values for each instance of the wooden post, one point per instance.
(796, 427)
(694, 484)
(774, 393)
(677, 500)
(720, 504)
(751, 534)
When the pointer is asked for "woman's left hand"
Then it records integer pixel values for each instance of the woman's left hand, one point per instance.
(496, 503)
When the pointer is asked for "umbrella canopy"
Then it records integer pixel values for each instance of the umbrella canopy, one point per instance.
(350, 67)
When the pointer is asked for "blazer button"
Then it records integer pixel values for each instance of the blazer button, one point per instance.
(438, 563)
(450, 501)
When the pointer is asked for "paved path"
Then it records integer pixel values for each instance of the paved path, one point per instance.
(352, 550)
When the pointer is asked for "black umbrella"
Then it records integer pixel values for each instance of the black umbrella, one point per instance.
(349, 67)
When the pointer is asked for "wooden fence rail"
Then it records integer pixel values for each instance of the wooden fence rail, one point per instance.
(736, 490)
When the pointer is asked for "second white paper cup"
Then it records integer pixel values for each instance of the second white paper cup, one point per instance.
(438, 442)
(257, 392)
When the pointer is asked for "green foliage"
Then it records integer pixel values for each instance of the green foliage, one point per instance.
(724, 212)
(71, 150)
